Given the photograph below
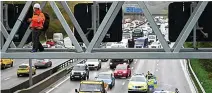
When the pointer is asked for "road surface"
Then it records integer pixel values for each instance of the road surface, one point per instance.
(169, 73)
(9, 77)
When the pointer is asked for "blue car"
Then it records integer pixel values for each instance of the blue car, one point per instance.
(107, 78)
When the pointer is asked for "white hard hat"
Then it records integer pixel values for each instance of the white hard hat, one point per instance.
(37, 5)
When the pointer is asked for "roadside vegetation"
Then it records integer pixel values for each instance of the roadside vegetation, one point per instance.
(203, 68)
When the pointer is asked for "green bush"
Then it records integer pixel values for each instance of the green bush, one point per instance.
(207, 64)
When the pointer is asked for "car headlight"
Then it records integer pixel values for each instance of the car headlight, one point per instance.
(124, 71)
(82, 73)
(95, 65)
(111, 63)
(130, 85)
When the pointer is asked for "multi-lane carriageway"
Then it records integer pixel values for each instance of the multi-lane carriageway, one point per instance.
(170, 74)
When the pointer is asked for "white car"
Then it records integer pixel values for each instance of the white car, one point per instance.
(119, 45)
(58, 37)
(152, 38)
(93, 64)
(155, 45)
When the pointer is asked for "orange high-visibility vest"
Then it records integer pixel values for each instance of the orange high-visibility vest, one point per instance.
(37, 20)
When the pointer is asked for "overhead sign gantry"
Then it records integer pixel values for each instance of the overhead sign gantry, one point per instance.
(176, 52)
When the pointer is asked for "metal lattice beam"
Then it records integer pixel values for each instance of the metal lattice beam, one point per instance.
(65, 26)
(154, 26)
(189, 25)
(201, 53)
(105, 25)
(112, 50)
(75, 23)
(5, 34)
(17, 25)
(110, 55)
(28, 31)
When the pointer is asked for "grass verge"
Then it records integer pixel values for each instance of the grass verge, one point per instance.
(202, 75)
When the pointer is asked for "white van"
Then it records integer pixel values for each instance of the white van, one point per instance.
(58, 37)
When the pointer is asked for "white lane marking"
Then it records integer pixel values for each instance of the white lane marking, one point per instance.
(57, 85)
(156, 69)
(157, 64)
(187, 77)
(123, 83)
(6, 78)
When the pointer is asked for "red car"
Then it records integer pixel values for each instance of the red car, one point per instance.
(122, 70)
(50, 42)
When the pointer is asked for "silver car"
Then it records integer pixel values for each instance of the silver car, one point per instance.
(43, 63)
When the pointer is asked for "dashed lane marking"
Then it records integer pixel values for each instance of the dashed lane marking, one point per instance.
(123, 83)
(7, 78)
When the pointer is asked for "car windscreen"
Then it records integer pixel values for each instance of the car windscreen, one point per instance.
(153, 47)
(140, 34)
(121, 67)
(90, 87)
(23, 66)
(104, 76)
(151, 37)
(117, 60)
(140, 79)
(78, 67)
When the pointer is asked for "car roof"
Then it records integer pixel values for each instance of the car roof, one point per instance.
(80, 65)
(105, 73)
(125, 65)
(138, 75)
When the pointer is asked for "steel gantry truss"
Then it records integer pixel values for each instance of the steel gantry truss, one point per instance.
(176, 52)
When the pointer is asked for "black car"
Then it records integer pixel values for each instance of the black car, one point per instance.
(79, 71)
(114, 62)
(103, 60)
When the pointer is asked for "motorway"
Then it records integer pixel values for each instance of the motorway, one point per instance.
(169, 73)
(9, 77)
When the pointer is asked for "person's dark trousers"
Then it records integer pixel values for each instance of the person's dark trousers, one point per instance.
(36, 42)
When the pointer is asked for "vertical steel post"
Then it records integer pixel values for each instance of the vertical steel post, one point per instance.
(105, 25)
(30, 72)
(195, 27)
(1, 20)
(17, 25)
(94, 16)
(75, 23)
(65, 26)
(189, 25)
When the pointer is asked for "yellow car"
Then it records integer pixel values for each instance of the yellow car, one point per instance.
(138, 83)
(23, 69)
(91, 87)
(6, 63)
